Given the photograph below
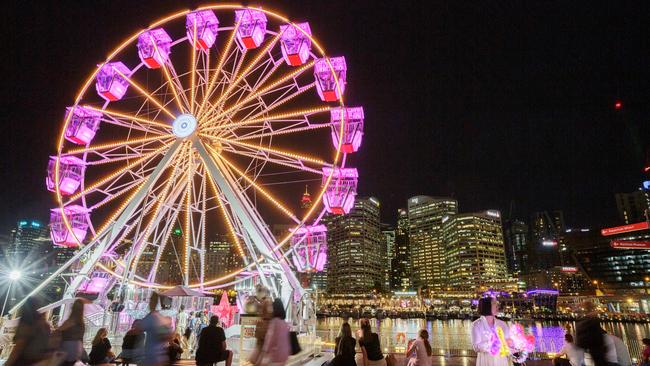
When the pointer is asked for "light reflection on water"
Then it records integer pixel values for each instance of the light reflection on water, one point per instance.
(456, 334)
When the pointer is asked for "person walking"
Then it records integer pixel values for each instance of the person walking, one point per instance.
(419, 350)
(181, 320)
(72, 334)
(101, 352)
(276, 348)
(344, 347)
(622, 354)
(158, 333)
(575, 356)
(32, 335)
(645, 355)
(370, 347)
(132, 344)
(484, 332)
(589, 336)
(212, 347)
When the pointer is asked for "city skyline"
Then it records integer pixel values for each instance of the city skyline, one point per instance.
(450, 115)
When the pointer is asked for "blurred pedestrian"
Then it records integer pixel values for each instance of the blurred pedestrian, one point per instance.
(133, 344)
(174, 350)
(72, 333)
(277, 347)
(575, 356)
(181, 320)
(158, 331)
(32, 336)
(617, 350)
(645, 355)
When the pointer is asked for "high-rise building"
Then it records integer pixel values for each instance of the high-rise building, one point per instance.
(401, 262)
(221, 257)
(26, 241)
(388, 242)
(425, 239)
(355, 252)
(474, 249)
(548, 247)
(515, 236)
(633, 207)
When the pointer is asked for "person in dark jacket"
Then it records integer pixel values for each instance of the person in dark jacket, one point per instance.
(212, 345)
(344, 345)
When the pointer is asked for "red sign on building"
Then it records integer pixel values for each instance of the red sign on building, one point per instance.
(622, 244)
(624, 229)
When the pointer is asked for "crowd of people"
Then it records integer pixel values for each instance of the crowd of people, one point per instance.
(157, 340)
(591, 346)
(154, 340)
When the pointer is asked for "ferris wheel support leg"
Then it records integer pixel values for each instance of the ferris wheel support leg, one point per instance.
(255, 228)
(100, 244)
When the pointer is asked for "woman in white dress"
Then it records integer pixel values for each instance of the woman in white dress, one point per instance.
(484, 332)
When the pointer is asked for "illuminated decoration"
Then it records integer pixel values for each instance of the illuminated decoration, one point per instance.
(296, 44)
(310, 248)
(326, 81)
(630, 244)
(569, 269)
(252, 27)
(77, 216)
(625, 228)
(339, 196)
(305, 201)
(522, 343)
(352, 129)
(83, 125)
(225, 311)
(71, 173)
(543, 292)
(164, 168)
(206, 24)
(111, 83)
(493, 213)
(154, 47)
(499, 344)
(646, 185)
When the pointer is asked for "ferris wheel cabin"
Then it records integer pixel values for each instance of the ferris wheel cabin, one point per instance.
(77, 217)
(296, 45)
(340, 193)
(153, 47)
(82, 126)
(352, 130)
(71, 171)
(206, 24)
(110, 84)
(310, 248)
(325, 80)
(252, 28)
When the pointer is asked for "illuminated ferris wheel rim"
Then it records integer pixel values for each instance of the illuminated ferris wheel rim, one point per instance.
(181, 131)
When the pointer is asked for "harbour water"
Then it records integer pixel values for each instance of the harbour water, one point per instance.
(451, 337)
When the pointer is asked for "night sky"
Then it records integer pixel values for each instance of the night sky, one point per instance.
(489, 102)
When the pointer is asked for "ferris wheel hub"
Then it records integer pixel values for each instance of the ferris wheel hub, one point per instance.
(184, 125)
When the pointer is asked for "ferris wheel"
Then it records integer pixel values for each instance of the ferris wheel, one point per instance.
(206, 123)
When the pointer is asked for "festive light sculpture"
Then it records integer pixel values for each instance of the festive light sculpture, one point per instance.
(83, 125)
(325, 80)
(296, 44)
(71, 171)
(206, 25)
(110, 84)
(339, 196)
(310, 248)
(225, 311)
(252, 27)
(153, 47)
(352, 130)
(77, 216)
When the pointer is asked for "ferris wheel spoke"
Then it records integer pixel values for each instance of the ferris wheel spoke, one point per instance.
(131, 118)
(220, 64)
(116, 144)
(275, 117)
(284, 130)
(193, 50)
(188, 221)
(241, 75)
(289, 76)
(112, 196)
(111, 176)
(264, 193)
(266, 158)
(114, 157)
(145, 93)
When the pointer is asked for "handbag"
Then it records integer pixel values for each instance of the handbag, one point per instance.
(390, 360)
(295, 345)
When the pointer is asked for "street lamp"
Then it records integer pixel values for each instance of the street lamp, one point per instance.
(13, 277)
(646, 280)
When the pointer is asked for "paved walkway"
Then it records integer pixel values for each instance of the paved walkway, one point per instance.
(437, 361)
